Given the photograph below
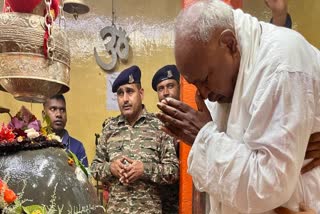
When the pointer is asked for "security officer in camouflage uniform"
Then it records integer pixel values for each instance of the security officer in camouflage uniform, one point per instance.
(166, 82)
(134, 156)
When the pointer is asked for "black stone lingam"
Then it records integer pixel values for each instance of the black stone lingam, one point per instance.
(44, 176)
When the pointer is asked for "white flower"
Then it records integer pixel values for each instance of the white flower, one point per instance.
(32, 133)
(53, 136)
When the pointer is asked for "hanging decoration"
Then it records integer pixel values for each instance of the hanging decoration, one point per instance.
(75, 7)
(34, 56)
(118, 45)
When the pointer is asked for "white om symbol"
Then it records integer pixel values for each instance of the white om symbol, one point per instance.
(117, 47)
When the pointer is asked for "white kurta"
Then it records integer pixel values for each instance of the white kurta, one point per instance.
(248, 159)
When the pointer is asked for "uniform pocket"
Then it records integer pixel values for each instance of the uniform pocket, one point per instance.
(150, 151)
(115, 149)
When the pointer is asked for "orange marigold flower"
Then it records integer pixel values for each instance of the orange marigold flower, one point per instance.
(9, 196)
(70, 161)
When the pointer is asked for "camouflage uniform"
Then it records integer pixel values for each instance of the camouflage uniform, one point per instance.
(170, 193)
(143, 141)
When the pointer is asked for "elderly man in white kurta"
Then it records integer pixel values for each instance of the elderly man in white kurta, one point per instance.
(262, 83)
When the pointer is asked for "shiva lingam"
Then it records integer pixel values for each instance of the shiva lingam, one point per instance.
(37, 175)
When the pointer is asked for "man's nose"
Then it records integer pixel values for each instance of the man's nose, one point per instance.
(203, 91)
(58, 113)
(166, 92)
(125, 97)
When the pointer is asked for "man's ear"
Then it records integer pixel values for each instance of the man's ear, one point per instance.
(141, 93)
(228, 39)
(43, 114)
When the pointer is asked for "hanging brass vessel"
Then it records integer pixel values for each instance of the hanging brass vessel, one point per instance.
(75, 7)
(24, 71)
(4, 110)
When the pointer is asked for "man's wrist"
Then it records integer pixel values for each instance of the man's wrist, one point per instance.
(283, 20)
(107, 169)
(147, 170)
(279, 12)
(280, 15)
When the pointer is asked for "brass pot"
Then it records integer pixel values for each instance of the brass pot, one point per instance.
(24, 71)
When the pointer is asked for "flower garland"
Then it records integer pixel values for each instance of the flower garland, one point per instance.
(24, 132)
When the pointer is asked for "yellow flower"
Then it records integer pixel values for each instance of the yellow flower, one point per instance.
(43, 130)
(36, 212)
(20, 139)
(53, 136)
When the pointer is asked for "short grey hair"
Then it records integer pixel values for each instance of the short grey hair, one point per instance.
(201, 19)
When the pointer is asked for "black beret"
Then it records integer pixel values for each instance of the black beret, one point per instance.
(164, 73)
(127, 76)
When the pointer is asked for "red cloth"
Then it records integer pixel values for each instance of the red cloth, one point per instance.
(22, 6)
(27, 6)
(106, 195)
